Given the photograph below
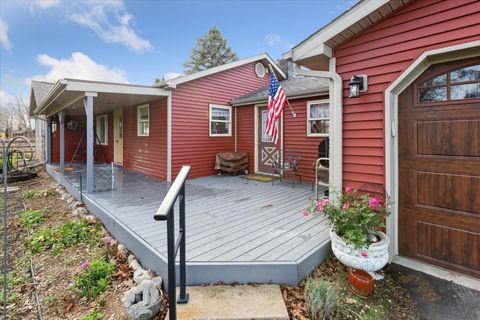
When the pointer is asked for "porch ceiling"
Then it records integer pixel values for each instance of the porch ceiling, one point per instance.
(69, 93)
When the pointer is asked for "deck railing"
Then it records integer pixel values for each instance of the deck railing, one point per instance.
(166, 212)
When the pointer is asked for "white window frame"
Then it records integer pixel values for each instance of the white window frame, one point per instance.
(229, 134)
(99, 118)
(143, 106)
(309, 104)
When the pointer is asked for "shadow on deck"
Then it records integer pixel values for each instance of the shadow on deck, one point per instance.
(237, 230)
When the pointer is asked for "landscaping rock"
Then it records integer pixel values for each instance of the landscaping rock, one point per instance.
(157, 282)
(130, 259)
(91, 219)
(77, 204)
(122, 251)
(81, 211)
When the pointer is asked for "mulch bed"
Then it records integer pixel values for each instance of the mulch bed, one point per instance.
(389, 296)
(55, 274)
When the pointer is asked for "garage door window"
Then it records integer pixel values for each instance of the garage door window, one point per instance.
(458, 84)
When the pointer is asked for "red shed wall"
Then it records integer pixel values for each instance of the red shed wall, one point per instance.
(383, 52)
(191, 143)
(294, 131)
(147, 155)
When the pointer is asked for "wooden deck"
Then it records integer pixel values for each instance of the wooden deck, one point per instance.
(237, 230)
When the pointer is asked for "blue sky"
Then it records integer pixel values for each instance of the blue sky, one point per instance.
(137, 41)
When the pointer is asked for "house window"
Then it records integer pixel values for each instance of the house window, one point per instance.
(102, 130)
(318, 118)
(143, 120)
(458, 84)
(220, 121)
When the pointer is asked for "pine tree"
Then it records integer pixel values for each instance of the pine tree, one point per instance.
(212, 50)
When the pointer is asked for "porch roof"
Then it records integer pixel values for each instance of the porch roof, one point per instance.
(70, 93)
(294, 88)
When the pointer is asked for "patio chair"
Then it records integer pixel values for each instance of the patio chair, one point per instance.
(321, 167)
(288, 162)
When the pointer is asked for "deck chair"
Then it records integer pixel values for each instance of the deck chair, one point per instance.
(321, 167)
(288, 162)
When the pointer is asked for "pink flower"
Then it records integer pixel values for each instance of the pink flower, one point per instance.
(346, 205)
(373, 202)
(84, 265)
(364, 253)
(348, 190)
(326, 201)
(305, 213)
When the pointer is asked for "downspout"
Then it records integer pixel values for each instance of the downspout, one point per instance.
(336, 143)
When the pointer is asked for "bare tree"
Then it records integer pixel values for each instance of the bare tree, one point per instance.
(21, 112)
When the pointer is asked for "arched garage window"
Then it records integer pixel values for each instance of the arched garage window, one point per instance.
(458, 84)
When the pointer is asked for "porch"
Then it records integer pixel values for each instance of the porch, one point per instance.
(238, 231)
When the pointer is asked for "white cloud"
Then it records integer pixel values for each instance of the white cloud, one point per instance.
(78, 66)
(4, 41)
(45, 4)
(6, 99)
(272, 39)
(112, 23)
(171, 75)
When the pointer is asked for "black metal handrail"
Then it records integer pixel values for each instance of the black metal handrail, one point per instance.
(166, 212)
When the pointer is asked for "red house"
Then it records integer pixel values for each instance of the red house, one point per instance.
(406, 116)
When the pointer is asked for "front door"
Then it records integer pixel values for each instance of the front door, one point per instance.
(118, 136)
(439, 167)
(267, 150)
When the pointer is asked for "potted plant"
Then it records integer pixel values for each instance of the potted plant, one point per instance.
(356, 219)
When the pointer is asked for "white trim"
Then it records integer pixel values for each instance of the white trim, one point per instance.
(97, 118)
(456, 52)
(217, 106)
(458, 278)
(169, 137)
(235, 119)
(173, 83)
(143, 106)
(309, 104)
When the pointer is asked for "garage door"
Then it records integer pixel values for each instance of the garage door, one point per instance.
(439, 167)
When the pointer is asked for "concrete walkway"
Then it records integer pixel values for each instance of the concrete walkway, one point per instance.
(238, 302)
(438, 299)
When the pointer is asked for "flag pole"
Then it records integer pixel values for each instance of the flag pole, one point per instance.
(286, 99)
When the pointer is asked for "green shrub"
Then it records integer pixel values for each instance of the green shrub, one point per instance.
(66, 235)
(93, 315)
(31, 218)
(94, 278)
(29, 194)
(321, 298)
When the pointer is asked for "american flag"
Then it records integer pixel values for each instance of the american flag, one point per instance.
(276, 102)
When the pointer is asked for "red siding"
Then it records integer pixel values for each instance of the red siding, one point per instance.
(191, 143)
(295, 135)
(383, 52)
(147, 155)
(246, 134)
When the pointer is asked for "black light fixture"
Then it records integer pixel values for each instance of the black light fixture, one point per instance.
(358, 84)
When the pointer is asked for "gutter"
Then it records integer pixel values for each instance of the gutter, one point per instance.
(304, 94)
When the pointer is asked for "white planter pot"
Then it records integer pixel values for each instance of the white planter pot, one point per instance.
(374, 258)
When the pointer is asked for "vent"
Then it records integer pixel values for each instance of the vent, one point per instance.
(260, 70)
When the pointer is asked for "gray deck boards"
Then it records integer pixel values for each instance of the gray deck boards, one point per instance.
(237, 229)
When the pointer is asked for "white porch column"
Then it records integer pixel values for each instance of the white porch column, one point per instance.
(49, 141)
(61, 120)
(88, 101)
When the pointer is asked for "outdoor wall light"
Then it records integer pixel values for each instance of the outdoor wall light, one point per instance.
(358, 83)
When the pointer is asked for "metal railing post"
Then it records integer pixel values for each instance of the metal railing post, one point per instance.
(171, 265)
(183, 298)
(166, 212)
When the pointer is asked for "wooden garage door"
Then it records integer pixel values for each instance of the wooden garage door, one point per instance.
(439, 167)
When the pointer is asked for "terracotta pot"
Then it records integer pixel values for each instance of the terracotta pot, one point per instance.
(361, 282)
